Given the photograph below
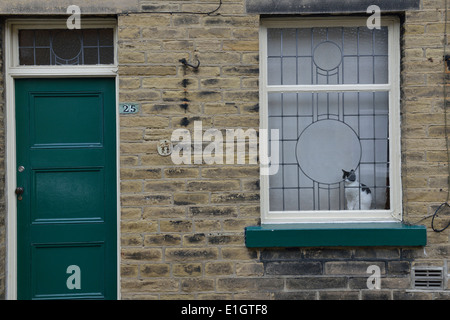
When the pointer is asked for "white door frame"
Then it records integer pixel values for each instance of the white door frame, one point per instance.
(14, 71)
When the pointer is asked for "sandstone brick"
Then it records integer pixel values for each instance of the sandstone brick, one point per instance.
(169, 83)
(163, 33)
(178, 45)
(129, 32)
(235, 21)
(128, 161)
(212, 185)
(130, 213)
(145, 199)
(208, 33)
(351, 267)
(155, 212)
(129, 271)
(241, 45)
(376, 295)
(130, 186)
(131, 134)
(131, 240)
(225, 239)
(197, 239)
(128, 173)
(230, 172)
(213, 211)
(162, 186)
(148, 122)
(187, 269)
(197, 285)
(175, 226)
(239, 224)
(249, 284)
(147, 70)
(143, 20)
(310, 282)
(149, 285)
(234, 197)
(221, 108)
(221, 83)
(129, 83)
(162, 240)
(134, 254)
(181, 173)
(154, 270)
(137, 226)
(219, 268)
(182, 199)
(238, 253)
(131, 57)
(191, 254)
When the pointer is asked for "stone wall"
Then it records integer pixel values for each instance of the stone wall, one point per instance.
(182, 225)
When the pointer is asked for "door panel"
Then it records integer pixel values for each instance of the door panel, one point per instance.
(54, 276)
(66, 119)
(66, 141)
(56, 195)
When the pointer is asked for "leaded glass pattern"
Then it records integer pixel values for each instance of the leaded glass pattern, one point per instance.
(66, 47)
(323, 132)
(334, 55)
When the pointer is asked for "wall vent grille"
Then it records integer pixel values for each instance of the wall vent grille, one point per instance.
(428, 278)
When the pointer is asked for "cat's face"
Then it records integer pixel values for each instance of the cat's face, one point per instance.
(348, 175)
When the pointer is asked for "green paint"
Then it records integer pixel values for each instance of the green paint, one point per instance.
(335, 235)
(66, 221)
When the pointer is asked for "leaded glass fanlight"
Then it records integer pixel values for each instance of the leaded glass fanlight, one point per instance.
(66, 47)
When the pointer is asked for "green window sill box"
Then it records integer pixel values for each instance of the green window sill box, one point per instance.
(335, 235)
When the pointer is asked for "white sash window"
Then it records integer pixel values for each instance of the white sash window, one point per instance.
(331, 89)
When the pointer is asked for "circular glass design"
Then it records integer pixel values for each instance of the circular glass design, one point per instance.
(327, 55)
(326, 147)
(66, 45)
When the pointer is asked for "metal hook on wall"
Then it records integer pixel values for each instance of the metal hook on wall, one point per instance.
(187, 64)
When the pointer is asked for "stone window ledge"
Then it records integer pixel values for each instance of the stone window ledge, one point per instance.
(335, 235)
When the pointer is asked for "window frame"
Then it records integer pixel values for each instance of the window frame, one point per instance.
(392, 87)
(58, 70)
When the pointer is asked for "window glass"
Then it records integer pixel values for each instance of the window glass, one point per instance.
(320, 135)
(66, 47)
(334, 55)
(326, 133)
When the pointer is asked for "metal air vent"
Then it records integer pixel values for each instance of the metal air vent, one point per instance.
(428, 278)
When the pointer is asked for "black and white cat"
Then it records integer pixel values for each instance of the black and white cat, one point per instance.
(358, 195)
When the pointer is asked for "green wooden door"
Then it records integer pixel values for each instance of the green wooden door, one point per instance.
(66, 165)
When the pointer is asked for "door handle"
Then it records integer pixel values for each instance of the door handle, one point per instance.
(19, 192)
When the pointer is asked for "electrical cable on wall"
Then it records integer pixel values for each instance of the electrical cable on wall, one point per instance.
(208, 13)
(445, 204)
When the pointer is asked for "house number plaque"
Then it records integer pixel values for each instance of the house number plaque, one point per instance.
(129, 108)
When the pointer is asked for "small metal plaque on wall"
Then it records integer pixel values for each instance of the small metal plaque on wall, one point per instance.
(129, 108)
